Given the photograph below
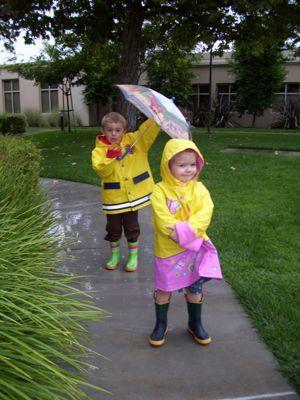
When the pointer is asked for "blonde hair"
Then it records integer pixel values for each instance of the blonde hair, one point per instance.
(113, 117)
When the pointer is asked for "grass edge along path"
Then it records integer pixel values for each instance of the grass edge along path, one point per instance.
(255, 225)
(44, 349)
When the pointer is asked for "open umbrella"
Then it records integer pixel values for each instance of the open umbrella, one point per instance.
(160, 108)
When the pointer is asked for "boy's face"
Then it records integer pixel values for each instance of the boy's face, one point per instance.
(113, 131)
(183, 166)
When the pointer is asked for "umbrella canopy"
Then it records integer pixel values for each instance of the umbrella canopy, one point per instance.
(160, 108)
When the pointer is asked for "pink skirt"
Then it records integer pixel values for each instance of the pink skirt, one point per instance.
(183, 269)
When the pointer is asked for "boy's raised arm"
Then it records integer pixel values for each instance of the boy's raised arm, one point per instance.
(149, 131)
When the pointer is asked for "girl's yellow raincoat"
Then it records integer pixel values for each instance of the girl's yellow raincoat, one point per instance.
(174, 201)
(126, 185)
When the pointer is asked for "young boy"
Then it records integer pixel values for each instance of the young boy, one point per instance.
(126, 184)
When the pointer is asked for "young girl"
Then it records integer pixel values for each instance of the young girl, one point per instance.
(185, 258)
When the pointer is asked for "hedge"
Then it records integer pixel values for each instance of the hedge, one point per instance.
(43, 315)
(12, 123)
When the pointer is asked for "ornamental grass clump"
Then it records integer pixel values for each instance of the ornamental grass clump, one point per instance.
(42, 314)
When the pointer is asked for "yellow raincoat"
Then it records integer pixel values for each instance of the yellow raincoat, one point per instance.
(126, 185)
(173, 201)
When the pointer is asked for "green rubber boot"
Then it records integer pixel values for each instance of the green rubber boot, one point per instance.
(113, 263)
(132, 261)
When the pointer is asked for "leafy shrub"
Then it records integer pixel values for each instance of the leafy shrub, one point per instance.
(12, 123)
(42, 314)
(78, 120)
(288, 116)
(34, 117)
(222, 113)
(21, 159)
(52, 119)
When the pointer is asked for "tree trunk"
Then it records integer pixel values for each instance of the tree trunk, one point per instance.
(210, 88)
(129, 64)
(253, 120)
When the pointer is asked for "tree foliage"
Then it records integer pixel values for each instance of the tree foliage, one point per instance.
(21, 16)
(258, 74)
(168, 72)
(138, 29)
(99, 74)
(52, 67)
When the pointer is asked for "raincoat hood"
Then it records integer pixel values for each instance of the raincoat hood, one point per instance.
(173, 147)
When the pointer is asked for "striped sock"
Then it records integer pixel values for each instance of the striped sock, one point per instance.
(115, 256)
(132, 261)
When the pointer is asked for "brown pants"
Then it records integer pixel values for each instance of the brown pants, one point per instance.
(128, 221)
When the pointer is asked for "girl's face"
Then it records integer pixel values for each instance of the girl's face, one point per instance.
(183, 166)
(114, 131)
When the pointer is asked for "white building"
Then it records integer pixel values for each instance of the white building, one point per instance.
(223, 88)
(19, 94)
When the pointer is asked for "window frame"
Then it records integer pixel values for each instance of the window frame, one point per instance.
(283, 97)
(198, 93)
(286, 93)
(230, 93)
(46, 88)
(12, 92)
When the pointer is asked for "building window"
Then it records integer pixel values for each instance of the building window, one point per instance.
(226, 94)
(288, 93)
(199, 103)
(49, 98)
(200, 97)
(11, 91)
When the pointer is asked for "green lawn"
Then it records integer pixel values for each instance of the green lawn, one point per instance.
(255, 225)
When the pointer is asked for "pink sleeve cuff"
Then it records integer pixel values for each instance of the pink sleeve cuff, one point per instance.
(187, 238)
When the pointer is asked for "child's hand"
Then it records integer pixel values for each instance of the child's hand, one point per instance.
(114, 152)
(173, 235)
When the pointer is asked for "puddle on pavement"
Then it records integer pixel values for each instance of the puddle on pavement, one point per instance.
(88, 285)
(289, 153)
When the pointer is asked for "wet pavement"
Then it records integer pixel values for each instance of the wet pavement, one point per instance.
(236, 365)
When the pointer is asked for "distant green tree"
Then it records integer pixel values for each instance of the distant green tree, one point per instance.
(51, 67)
(168, 72)
(56, 66)
(258, 74)
(143, 25)
(92, 67)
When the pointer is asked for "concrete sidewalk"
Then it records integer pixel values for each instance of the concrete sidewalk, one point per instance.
(236, 365)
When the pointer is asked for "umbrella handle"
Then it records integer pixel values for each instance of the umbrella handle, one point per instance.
(127, 150)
